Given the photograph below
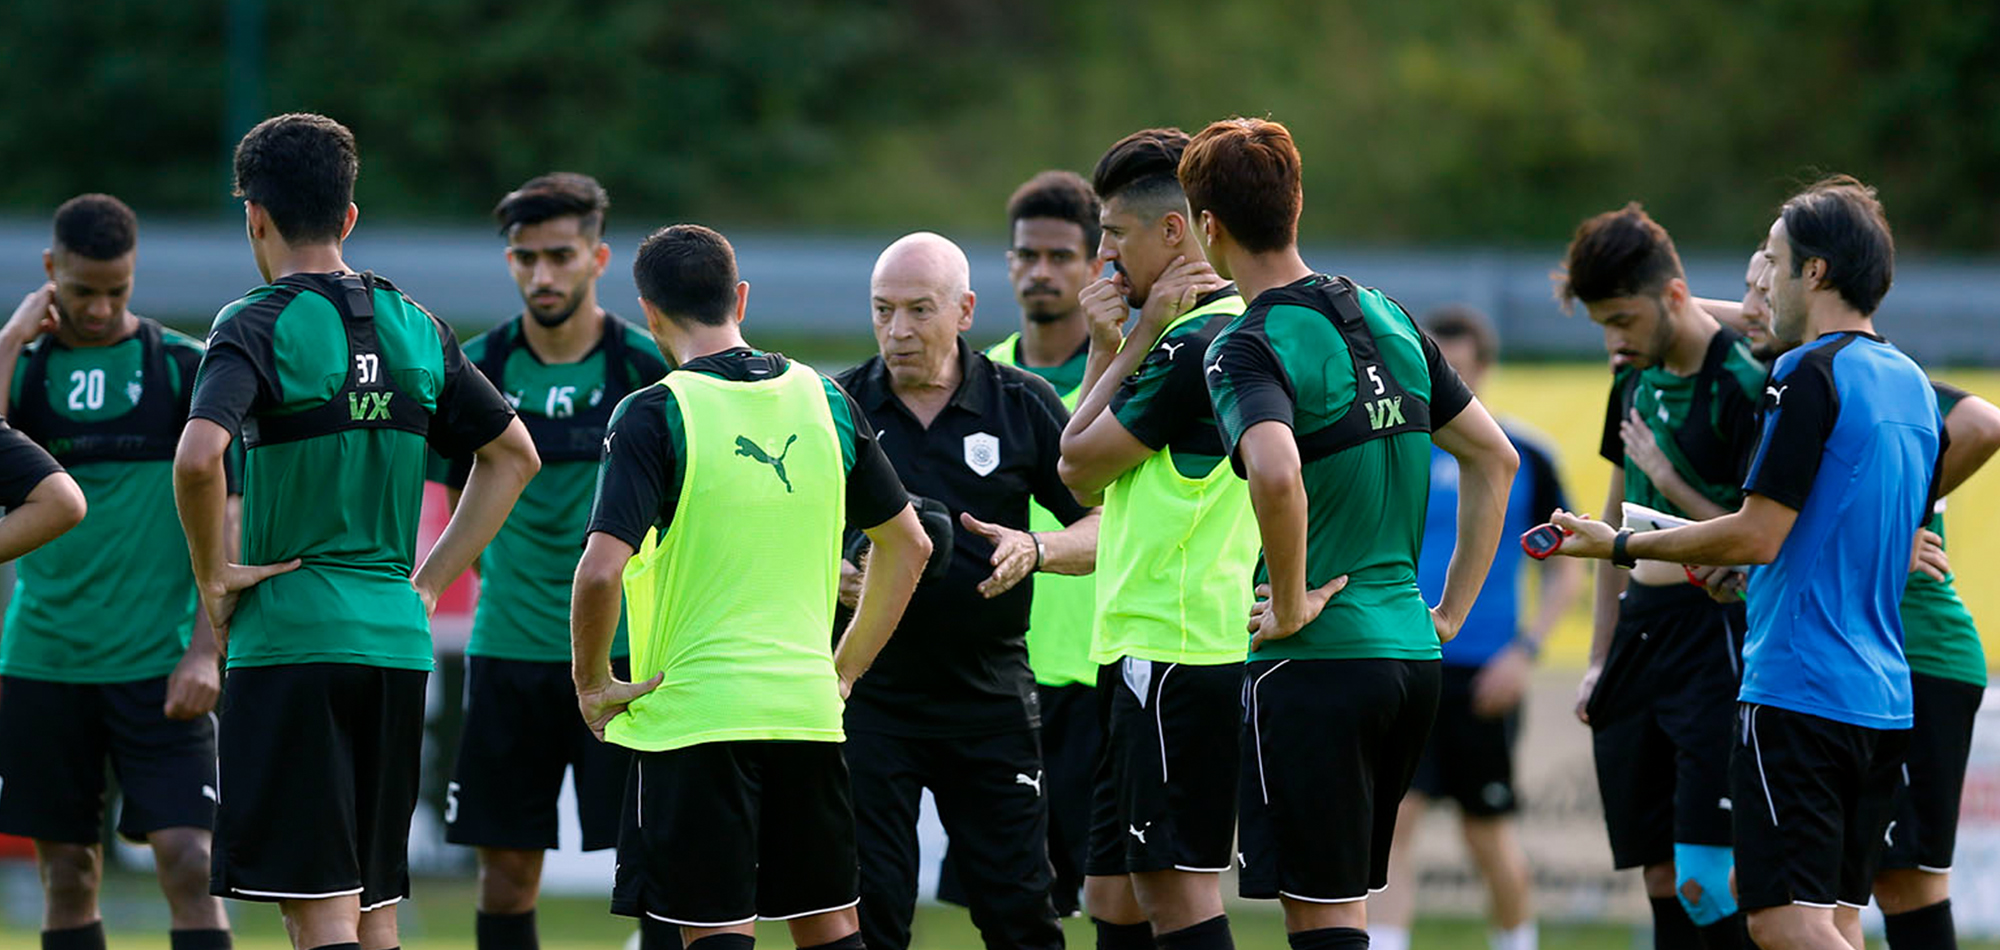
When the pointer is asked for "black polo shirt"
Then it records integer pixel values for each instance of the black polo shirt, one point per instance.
(958, 664)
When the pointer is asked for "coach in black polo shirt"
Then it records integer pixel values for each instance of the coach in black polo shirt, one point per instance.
(950, 705)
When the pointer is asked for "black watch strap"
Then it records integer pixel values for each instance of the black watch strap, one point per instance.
(1619, 556)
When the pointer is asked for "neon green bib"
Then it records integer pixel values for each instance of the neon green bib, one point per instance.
(733, 602)
(1175, 557)
(1059, 619)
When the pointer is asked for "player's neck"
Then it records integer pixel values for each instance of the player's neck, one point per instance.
(1052, 343)
(700, 340)
(128, 324)
(1256, 273)
(1835, 316)
(568, 341)
(1690, 347)
(285, 260)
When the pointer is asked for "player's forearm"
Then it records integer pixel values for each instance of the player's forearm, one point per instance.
(596, 599)
(1099, 384)
(53, 507)
(1073, 550)
(1484, 479)
(898, 552)
(1974, 428)
(499, 471)
(202, 643)
(1727, 311)
(11, 346)
(1610, 579)
(1683, 495)
(1278, 499)
(1561, 582)
(201, 496)
(1732, 539)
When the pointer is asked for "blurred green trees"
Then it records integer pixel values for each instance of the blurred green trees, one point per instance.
(1473, 121)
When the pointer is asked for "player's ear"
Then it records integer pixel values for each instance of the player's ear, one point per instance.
(603, 256)
(965, 319)
(49, 262)
(742, 298)
(347, 223)
(1173, 227)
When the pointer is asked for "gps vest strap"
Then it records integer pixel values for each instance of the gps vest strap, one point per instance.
(1703, 448)
(369, 398)
(577, 438)
(1382, 407)
(149, 432)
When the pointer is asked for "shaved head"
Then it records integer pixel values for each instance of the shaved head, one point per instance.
(927, 259)
(922, 299)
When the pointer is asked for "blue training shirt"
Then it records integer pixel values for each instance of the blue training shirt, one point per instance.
(1495, 619)
(1851, 441)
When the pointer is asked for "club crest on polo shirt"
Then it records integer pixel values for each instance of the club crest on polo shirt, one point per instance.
(982, 452)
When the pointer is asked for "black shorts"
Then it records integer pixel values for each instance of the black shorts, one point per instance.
(1166, 784)
(723, 833)
(1924, 827)
(1072, 736)
(1470, 758)
(320, 764)
(522, 732)
(1660, 721)
(1813, 798)
(56, 737)
(1329, 748)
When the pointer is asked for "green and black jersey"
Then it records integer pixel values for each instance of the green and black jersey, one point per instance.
(336, 383)
(639, 486)
(525, 574)
(1706, 424)
(1939, 636)
(1066, 376)
(1164, 403)
(1361, 387)
(113, 600)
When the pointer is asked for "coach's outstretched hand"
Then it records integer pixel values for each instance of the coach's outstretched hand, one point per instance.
(1266, 625)
(1589, 536)
(601, 703)
(1013, 555)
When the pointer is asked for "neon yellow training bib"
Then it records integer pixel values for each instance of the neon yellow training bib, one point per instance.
(1175, 557)
(734, 602)
(1059, 619)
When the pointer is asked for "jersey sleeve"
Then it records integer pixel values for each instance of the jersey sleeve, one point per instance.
(632, 473)
(1247, 384)
(1046, 419)
(1799, 412)
(23, 465)
(1164, 395)
(470, 412)
(874, 492)
(1449, 394)
(237, 374)
(1948, 396)
(1611, 444)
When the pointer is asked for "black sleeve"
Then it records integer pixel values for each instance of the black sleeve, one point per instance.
(1948, 396)
(1247, 385)
(1611, 445)
(1046, 419)
(470, 412)
(23, 465)
(1799, 413)
(236, 375)
(1545, 490)
(188, 360)
(638, 456)
(874, 492)
(1164, 394)
(1449, 394)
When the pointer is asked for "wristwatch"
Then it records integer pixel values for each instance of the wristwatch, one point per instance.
(1619, 558)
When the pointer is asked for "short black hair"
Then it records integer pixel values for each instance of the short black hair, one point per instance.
(1622, 253)
(1459, 321)
(300, 168)
(687, 272)
(1143, 167)
(555, 195)
(96, 226)
(1062, 195)
(1840, 221)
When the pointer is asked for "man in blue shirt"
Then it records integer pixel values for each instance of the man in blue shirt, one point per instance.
(1840, 482)
(1470, 756)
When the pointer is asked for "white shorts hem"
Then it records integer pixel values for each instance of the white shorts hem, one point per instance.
(810, 913)
(1322, 900)
(702, 923)
(288, 896)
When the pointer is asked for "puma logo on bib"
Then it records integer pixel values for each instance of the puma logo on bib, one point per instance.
(752, 450)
